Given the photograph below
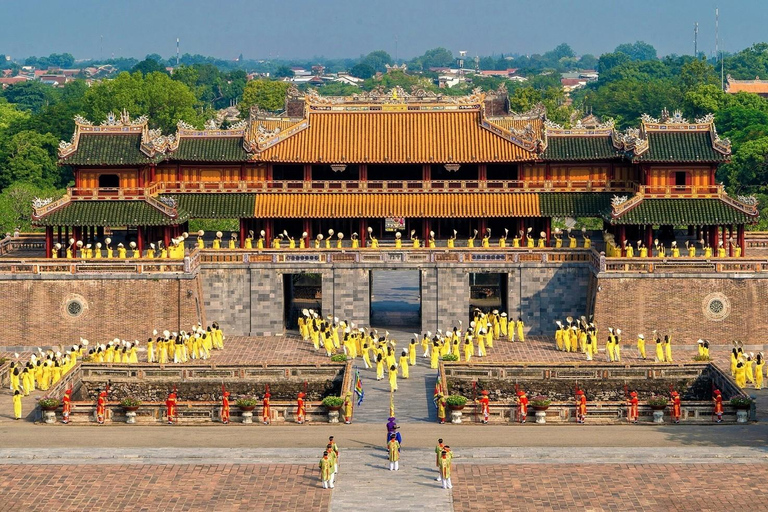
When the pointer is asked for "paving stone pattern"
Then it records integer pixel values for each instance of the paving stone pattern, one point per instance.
(275, 487)
(651, 487)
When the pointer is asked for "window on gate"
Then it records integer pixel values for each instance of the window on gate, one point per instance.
(109, 181)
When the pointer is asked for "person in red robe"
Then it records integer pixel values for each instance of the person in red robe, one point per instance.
(101, 406)
(66, 407)
(718, 399)
(225, 408)
(170, 407)
(484, 405)
(300, 410)
(676, 409)
(581, 406)
(633, 410)
(266, 415)
(522, 406)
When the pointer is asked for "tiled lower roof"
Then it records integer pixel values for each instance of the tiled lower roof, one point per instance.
(396, 204)
(683, 212)
(575, 204)
(565, 148)
(109, 213)
(216, 205)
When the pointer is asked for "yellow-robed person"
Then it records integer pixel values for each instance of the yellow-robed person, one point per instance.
(503, 239)
(529, 242)
(328, 240)
(249, 240)
(471, 240)
(675, 250)
(487, 238)
(432, 240)
(571, 240)
(558, 238)
(587, 240)
(260, 241)
(691, 249)
(641, 345)
(200, 241)
(452, 240)
(398, 240)
(69, 248)
(55, 250)
(355, 241)
(217, 240)
(339, 238)
(233, 240)
(121, 252)
(150, 251)
(135, 252)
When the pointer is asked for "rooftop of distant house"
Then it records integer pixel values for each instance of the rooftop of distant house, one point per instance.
(755, 86)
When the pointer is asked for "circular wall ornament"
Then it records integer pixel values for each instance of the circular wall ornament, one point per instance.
(74, 306)
(716, 307)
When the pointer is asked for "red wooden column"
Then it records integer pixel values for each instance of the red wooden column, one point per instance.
(363, 232)
(308, 231)
(547, 230)
(242, 233)
(268, 228)
(307, 173)
(715, 238)
(426, 173)
(649, 239)
(425, 232)
(167, 236)
(48, 241)
(140, 240)
(742, 239)
(152, 172)
(730, 245)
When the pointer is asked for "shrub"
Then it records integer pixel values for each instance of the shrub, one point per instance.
(130, 402)
(741, 401)
(456, 400)
(540, 401)
(246, 402)
(450, 357)
(47, 401)
(339, 358)
(702, 357)
(658, 401)
(333, 401)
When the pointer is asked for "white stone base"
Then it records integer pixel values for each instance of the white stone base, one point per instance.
(541, 417)
(49, 417)
(333, 416)
(742, 415)
(130, 417)
(456, 417)
(247, 416)
(658, 416)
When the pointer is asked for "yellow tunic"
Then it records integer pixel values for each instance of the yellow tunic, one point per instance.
(404, 366)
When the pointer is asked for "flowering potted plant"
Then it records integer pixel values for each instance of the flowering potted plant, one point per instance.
(48, 403)
(333, 403)
(741, 402)
(540, 403)
(658, 403)
(456, 402)
(130, 404)
(246, 403)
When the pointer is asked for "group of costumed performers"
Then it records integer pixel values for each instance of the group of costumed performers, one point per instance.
(578, 335)
(41, 371)
(77, 249)
(626, 249)
(746, 367)
(336, 240)
(163, 348)
(329, 464)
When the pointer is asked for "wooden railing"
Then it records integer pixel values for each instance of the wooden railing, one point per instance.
(680, 190)
(10, 244)
(679, 265)
(34, 266)
(415, 185)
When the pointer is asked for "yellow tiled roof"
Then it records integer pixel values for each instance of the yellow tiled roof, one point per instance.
(395, 137)
(397, 204)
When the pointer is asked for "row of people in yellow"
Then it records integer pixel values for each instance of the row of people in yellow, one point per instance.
(335, 240)
(87, 251)
(44, 369)
(329, 464)
(612, 250)
(747, 368)
(582, 336)
(163, 348)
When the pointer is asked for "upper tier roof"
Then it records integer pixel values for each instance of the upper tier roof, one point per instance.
(395, 128)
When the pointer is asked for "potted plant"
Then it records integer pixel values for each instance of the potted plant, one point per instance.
(658, 403)
(450, 357)
(247, 404)
(48, 403)
(130, 404)
(456, 402)
(741, 402)
(333, 403)
(702, 358)
(540, 403)
(339, 358)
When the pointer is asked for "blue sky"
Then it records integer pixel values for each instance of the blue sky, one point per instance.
(349, 28)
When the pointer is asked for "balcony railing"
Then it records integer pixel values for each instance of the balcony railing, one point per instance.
(682, 191)
(351, 186)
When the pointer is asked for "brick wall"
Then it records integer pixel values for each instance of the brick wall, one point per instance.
(678, 306)
(34, 311)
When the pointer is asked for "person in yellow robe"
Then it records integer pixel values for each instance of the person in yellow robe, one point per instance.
(379, 366)
(412, 352)
(121, 252)
(558, 238)
(481, 337)
(393, 447)
(471, 240)
(135, 253)
(721, 250)
(587, 240)
(659, 351)
(486, 239)
(398, 240)
(392, 378)
(641, 346)
(17, 404)
(404, 363)
(542, 241)
(435, 355)
(571, 240)
(691, 249)
(355, 241)
(529, 242)
(749, 367)
(233, 240)
(468, 347)
(520, 329)
(503, 239)
(741, 374)
(667, 348)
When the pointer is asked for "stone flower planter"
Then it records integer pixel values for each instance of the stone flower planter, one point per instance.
(333, 413)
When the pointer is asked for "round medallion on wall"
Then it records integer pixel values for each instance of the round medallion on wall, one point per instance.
(74, 306)
(716, 307)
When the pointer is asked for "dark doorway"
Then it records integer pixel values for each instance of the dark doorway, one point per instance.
(301, 291)
(487, 291)
(109, 181)
(681, 179)
(396, 298)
